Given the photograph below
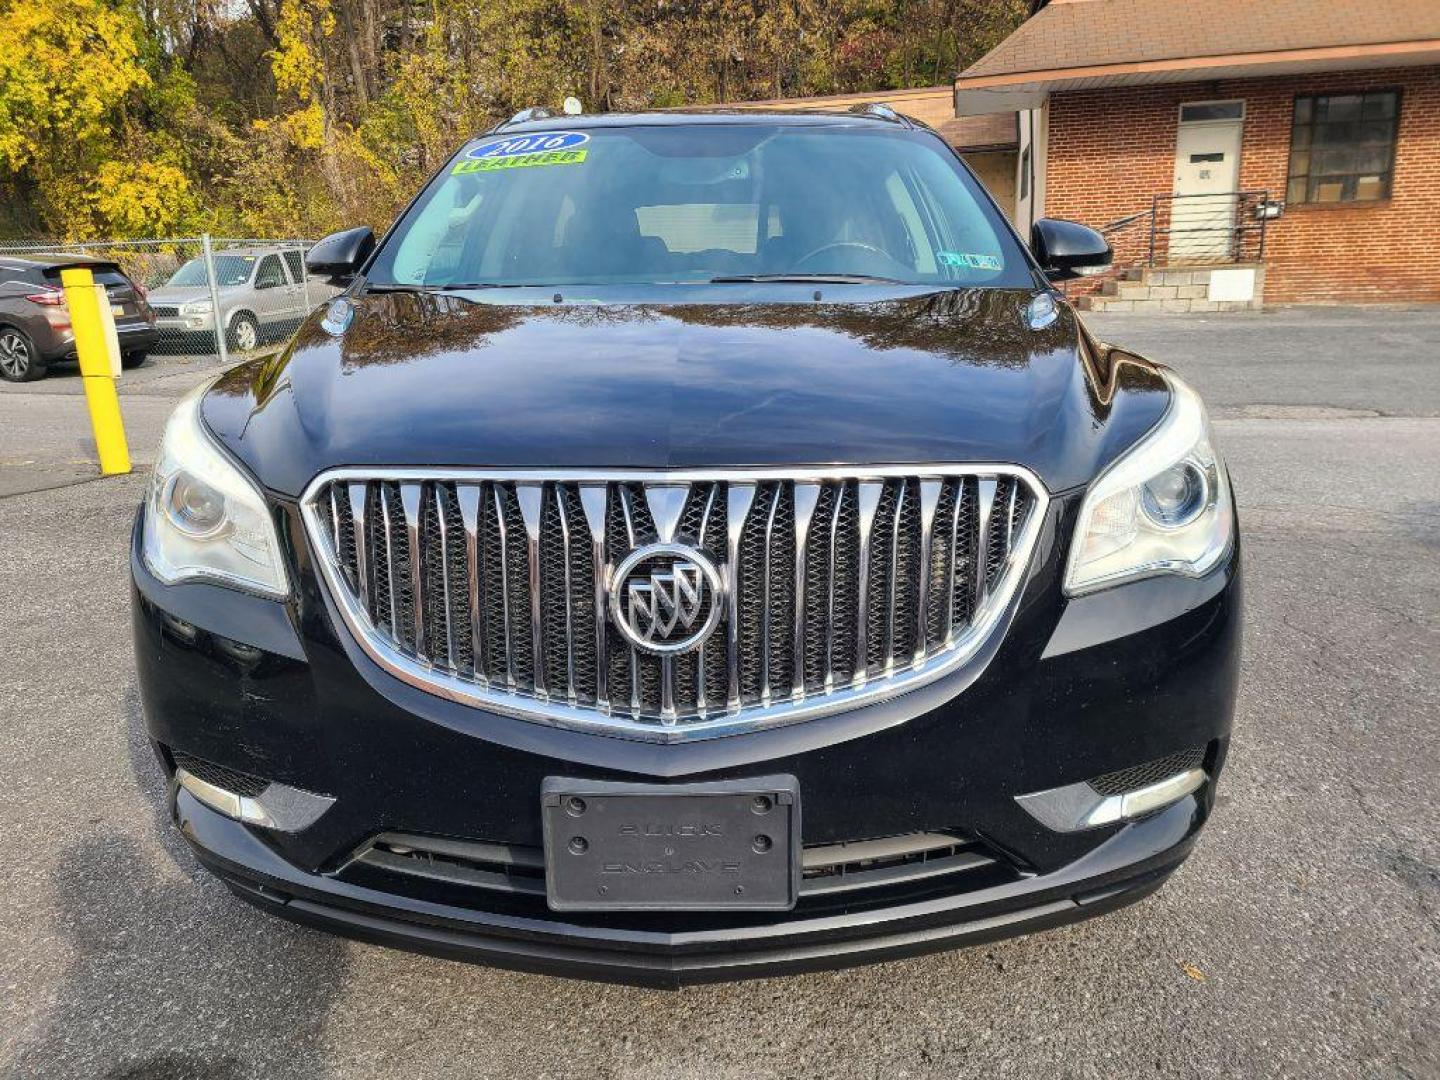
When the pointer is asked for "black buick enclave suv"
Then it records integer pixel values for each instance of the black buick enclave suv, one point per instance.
(694, 546)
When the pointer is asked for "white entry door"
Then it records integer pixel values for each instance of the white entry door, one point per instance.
(1207, 173)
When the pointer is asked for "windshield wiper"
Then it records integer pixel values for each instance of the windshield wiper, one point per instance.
(397, 287)
(808, 279)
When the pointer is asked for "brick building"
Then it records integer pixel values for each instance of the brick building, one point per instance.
(1231, 148)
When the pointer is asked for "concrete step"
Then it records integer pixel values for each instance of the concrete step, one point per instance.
(1186, 273)
(1125, 290)
(1176, 306)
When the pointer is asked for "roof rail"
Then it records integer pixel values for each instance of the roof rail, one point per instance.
(524, 116)
(880, 112)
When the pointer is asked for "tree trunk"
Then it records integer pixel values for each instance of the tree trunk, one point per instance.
(358, 75)
(265, 21)
(599, 76)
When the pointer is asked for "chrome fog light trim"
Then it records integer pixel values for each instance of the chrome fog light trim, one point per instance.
(1076, 807)
(279, 806)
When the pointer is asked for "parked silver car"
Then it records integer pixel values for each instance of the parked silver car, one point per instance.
(263, 293)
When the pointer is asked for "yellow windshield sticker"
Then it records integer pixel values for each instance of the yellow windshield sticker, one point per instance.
(519, 161)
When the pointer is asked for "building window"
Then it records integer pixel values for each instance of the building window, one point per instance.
(1342, 147)
(1201, 112)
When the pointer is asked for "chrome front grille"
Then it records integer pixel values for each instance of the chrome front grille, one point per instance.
(836, 586)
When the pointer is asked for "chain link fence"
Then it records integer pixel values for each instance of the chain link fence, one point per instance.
(203, 296)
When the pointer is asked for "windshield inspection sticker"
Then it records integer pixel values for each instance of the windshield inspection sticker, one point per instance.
(525, 151)
(969, 261)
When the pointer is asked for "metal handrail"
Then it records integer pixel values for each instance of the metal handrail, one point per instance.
(1119, 224)
(1236, 223)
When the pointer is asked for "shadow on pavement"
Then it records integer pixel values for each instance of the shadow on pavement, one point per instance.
(170, 977)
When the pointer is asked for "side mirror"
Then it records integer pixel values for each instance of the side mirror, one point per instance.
(341, 254)
(1067, 249)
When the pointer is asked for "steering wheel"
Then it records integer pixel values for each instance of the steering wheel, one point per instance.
(871, 248)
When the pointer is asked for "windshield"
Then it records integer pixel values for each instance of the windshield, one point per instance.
(698, 203)
(229, 270)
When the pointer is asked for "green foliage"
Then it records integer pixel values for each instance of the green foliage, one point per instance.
(134, 117)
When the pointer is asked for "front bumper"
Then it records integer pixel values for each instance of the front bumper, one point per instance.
(173, 325)
(1076, 689)
(1127, 867)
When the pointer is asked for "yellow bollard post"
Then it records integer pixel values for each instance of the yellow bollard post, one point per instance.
(97, 369)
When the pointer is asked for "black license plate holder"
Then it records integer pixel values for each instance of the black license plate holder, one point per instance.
(730, 845)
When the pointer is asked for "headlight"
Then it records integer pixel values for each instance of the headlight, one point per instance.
(197, 307)
(204, 518)
(1162, 508)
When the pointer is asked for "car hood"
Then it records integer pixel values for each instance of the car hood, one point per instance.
(425, 379)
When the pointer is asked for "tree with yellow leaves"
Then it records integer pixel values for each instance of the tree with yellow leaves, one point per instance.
(292, 117)
(78, 82)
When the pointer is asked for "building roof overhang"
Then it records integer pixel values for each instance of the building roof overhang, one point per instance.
(1028, 90)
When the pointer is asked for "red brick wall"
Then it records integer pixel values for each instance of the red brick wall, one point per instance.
(1111, 150)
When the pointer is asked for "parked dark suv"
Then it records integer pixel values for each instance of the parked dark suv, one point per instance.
(35, 327)
(695, 546)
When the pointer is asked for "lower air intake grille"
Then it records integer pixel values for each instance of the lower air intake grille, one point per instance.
(667, 606)
(1149, 772)
(828, 868)
(229, 779)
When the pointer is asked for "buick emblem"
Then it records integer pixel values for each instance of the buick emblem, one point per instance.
(665, 598)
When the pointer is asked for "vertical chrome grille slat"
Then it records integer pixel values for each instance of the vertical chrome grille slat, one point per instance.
(334, 501)
(487, 582)
(869, 492)
(766, 591)
(410, 505)
(508, 636)
(807, 497)
(627, 510)
(593, 504)
(565, 533)
(667, 503)
(952, 570)
(741, 498)
(841, 494)
(1011, 508)
(892, 587)
(469, 496)
(702, 705)
(355, 493)
(531, 498)
(390, 589)
(984, 511)
(668, 715)
(442, 507)
(929, 499)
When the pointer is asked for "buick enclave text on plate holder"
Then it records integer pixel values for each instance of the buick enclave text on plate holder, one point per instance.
(647, 847)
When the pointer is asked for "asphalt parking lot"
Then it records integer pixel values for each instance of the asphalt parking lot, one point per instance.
(45, 438)
(1302, 938)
